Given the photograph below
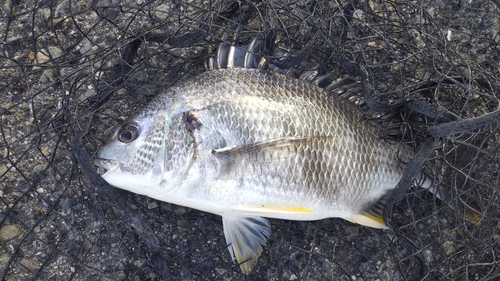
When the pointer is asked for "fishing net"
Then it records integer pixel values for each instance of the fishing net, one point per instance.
(71, 70)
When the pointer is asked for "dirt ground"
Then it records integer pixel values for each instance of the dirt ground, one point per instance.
(71, 70)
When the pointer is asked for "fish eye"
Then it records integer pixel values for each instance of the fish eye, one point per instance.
(129, 133)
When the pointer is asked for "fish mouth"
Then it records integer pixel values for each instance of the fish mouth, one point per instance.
(104, 165)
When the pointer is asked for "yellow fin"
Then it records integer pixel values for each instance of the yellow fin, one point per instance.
(471, 211)
(273, 209)
(467, 207)
(473, 216)
(245, 237)
(373, 216)
(368, 219)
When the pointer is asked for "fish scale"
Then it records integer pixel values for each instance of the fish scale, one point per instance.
(248, 143)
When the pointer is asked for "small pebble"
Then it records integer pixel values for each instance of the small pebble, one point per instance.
(162, 11)
(9, 232)
(55, 52)
(42, 58)
(31, 56)
(448, 247)
(152, 205)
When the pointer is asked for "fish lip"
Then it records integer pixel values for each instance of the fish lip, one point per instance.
(104, 165)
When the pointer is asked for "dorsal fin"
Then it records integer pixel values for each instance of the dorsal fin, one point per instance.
(245, 56)
(251, 56)
(254, 52)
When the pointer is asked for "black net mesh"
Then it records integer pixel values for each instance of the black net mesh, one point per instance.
(71, 70)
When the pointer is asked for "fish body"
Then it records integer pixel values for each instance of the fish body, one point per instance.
(248, 143)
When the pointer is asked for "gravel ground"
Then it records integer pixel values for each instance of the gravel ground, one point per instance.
(60, 95)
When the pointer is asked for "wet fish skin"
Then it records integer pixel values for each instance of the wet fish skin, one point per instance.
(246, 144)
(231, 120)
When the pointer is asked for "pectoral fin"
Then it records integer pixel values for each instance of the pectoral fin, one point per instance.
(261, 156)
(245, 237)
(281, 144)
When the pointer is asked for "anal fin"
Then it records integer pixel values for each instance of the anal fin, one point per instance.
(368, 219)
(373, 216)
(245, 237)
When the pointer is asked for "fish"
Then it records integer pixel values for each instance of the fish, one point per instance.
(248, 143)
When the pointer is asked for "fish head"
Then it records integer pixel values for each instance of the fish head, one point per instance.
(134, 157)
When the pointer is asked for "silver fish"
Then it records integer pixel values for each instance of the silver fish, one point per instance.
(248, 143)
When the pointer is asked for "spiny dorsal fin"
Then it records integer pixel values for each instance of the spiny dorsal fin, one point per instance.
(245, 237)
(251, 56)
(245, 56)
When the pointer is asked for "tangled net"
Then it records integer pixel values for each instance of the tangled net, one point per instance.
(70, 71)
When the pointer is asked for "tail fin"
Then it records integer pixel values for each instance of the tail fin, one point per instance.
(462, 204)
(454, 182)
